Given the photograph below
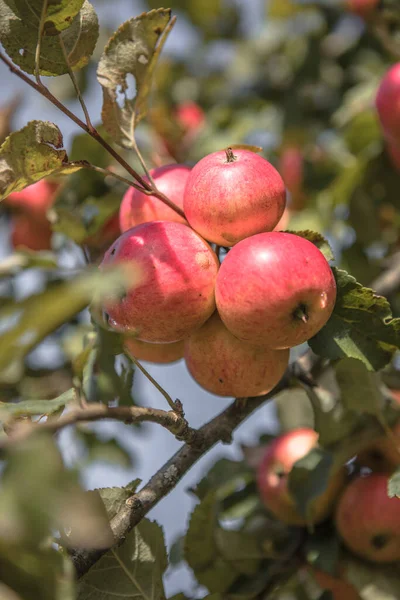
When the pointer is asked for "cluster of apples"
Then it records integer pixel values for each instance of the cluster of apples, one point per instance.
(388, 107)
(366, 518)
(234, 322)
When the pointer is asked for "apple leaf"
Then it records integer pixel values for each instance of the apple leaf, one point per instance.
(361, 326)
(36, 407)
(133, 51)
(318, 240)
(394, 485)
(37, 316)
(30, 154)
(309, 478)
(114, 498)
(134, 570)
(59, 14)
(201, 551)
(360, 388)
(20, 39)
(27, 259)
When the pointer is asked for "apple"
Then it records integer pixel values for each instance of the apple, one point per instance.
(30, 233)
(393, 151)
(368, 520)
(137, 208)
(273, 472)
(388, 104)
(275, 289)
(362, 8)
(291, 168)
(190, 116)
(176, 293)
(226, 366)
(382, 454)
(35, 199)
(231, 195)
(154, 353)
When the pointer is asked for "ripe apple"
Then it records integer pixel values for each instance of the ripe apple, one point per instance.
(137, 208)
(388, 104)
(154, 353)
(275, 289)
(176, 293)
(368, 520)
(30, 233)
(339, 588)
(231, 195)
(35, 199)
(363, 8)
(273, 472)
(226, 366)
(190, 116)
(382, 454)
(291, 168)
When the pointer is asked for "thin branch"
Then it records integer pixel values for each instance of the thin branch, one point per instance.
(75, 84)
(142, 162)
(147, 188)
(39, 42)
(153, 381)
(171, 420)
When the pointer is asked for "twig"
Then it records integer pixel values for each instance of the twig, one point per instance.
(153, 381)
(171, 420)
(75, 84)
(147, 188)
(39, 42)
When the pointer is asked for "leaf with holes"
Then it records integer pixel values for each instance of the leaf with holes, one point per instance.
(134, 570)
(132, 50)
(30, 154)
(361, 326)
(20, 40)
(59, 14)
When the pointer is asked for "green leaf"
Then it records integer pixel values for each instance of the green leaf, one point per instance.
(394, 485)
(240, 549)
(20, 40)
(201, 550)
(114, 498)
(27, 259)
(132, 50)
(30, 154)
(360, 388)
(361, 326)
(294, 409)
(309, 478)
(35, 407)
(59, 14)
(318, 240)
(37, 316)
(322, 549)
(224, 477)
(133, 570)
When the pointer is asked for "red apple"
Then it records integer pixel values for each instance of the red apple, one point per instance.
(368, 520)
(273, 472)
(28, 232)
(176, 293)
(232, 195)
(291, 168)
(275, 289)
(35, 199)
(190, 116)
(226, 366)
(154, 353)
(388, 104)
(137, 208)
(363, 8)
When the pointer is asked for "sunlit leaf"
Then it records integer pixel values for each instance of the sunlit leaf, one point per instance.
(114, 498)
(36, 407)
(20, 40)
(59, 14)
(132, 50)
(33, 152)
(361, 326)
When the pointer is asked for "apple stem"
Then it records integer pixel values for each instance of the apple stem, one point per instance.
(230, 157)
(301, 313)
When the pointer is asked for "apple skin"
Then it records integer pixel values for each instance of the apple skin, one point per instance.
(35, 199)
(388, 104)
(160, 354)
(137, 208)
(362, 8)
(368, 520)
(272, 478)
(291, 167)
(284, 273)
(226, 366)
(30, 233)
(176, 293)
(190, 116)
(228, 199)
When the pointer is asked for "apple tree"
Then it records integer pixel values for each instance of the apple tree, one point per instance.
(235, 207)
